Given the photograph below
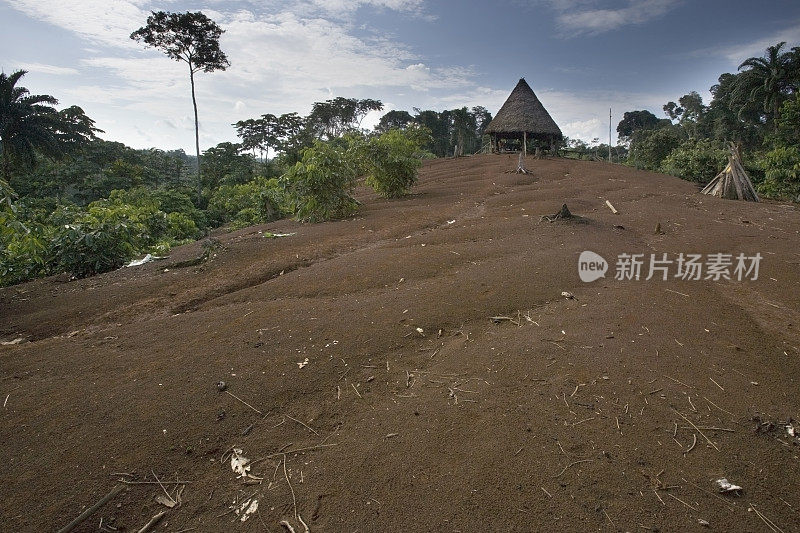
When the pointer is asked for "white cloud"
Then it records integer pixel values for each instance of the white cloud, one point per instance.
(592, 17)
(283, 58)
(736, 53)
(43, 68)
(585, 115)
(102, 22)
(583, 129)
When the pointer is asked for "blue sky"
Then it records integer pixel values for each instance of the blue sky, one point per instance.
(580, 56)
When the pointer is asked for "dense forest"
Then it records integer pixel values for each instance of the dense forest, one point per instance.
(758, 108)
(72, 202)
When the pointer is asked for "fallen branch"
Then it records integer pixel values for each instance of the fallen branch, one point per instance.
(244, 402)
(302, 424)
(770, 524)
(573, 464)
(694, 442)
(698, 429)
(153, 521)
(91, 510)
(294, 500)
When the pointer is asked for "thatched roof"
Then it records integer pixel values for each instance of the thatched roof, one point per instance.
(523, 112)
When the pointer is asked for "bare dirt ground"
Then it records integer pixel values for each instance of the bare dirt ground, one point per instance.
(571, 420)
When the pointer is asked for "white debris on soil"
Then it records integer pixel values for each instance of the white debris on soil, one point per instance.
(239, 463)
(165, 501)
(143, 260)
(246, 509)
(726, 486)
(793, 431)
(11, 343)
(303, 364)
(568, 295)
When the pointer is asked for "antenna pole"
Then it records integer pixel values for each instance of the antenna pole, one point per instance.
(609, 135)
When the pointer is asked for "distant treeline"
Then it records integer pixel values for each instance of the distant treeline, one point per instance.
(73, 202)
(758, 108)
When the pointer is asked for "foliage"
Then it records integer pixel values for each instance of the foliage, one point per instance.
(633, 121)
(223, 164)
(768, 80)
(688, 112)
(391, 161)
(102, 240)
(333, 118)
(781, 167)
(787, 131)
(649, 148)
(169, 201)
(189, 37)
(695, 160)
(30, 124)
(394, 120)
(256, 202)
(320, 185)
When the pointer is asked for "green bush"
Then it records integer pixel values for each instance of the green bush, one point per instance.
(181, 227)
(164, 199)
(256, 202)
(391, 162)
(320, 185)
(781, 173)
(649, 148)
(96, 245)
(695, 160)
(24, 251)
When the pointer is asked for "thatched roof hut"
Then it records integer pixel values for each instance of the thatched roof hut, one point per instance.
(522, 117)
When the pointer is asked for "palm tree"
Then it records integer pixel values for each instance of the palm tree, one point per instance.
(767, 80)
(27, 122)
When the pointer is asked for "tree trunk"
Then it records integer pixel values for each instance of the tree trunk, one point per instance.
(196, 138)
(6, 166)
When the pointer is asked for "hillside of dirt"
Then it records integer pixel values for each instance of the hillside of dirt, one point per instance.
(369, 388)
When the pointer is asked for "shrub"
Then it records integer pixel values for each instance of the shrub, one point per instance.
(694, 160)
(391, 162)
(256, 202)
(98, 243)
(181, 228)
(649, 148)
(164, 199)
(781, 173)
(24, 251)
(320, 185)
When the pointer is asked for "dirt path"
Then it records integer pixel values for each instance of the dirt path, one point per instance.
(570, 420)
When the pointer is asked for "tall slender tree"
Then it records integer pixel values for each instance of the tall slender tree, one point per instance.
(192, 38)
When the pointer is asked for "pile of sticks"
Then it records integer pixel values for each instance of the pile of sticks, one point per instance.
(733, 182)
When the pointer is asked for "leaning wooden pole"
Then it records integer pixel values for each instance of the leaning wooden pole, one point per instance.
(91, 510)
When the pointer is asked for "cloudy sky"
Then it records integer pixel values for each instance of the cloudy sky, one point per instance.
(580, 56)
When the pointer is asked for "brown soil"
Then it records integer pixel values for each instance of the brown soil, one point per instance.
(470, 425)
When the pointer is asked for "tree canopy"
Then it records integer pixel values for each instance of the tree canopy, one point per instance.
(189, 37)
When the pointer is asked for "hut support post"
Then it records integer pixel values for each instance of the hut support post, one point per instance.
(524, 143)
